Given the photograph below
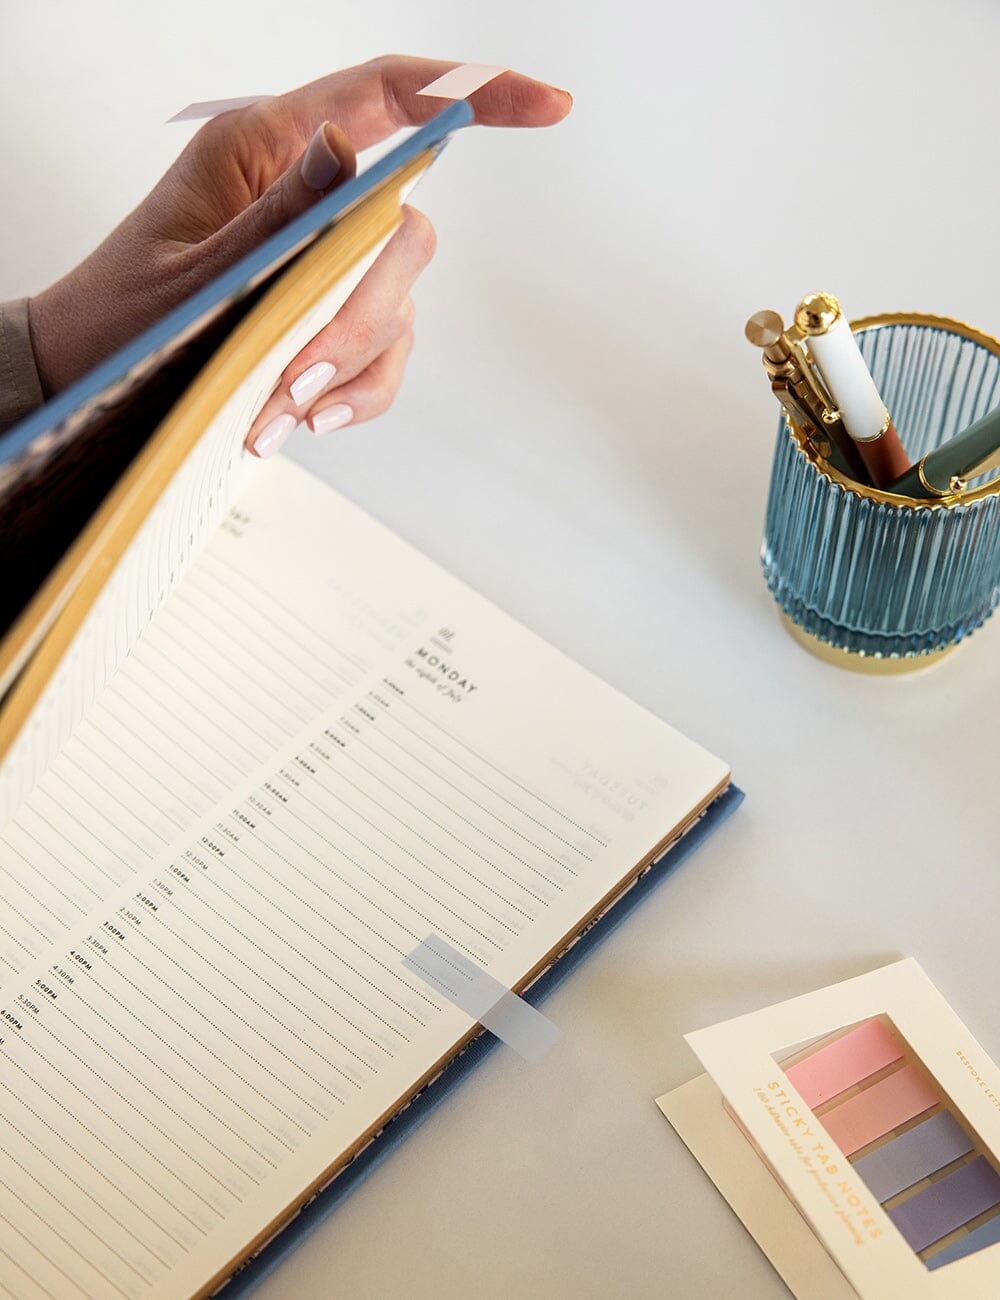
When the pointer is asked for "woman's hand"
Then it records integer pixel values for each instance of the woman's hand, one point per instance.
(243, 176)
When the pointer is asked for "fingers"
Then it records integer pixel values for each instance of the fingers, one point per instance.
(377, 314)
(328, 161)
(369, 394)
(249, 172)
(370, 338)
(374, 99)
(359, 330)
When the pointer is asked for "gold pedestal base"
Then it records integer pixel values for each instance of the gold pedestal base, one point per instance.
(858, 663)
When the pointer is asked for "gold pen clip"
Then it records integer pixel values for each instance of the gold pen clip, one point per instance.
(825, 404)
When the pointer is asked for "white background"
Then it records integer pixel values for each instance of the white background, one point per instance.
(585, 437)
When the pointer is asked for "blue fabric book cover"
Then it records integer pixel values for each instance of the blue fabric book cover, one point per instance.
(398, 1129)
(617, 777)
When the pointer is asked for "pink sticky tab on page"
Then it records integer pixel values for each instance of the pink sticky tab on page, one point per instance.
(213, 107)
(844, 1062)
(459, 83)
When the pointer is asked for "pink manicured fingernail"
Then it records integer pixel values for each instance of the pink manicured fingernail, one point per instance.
(273, 434)
(320, 164)
(312, 382)
(332, 417)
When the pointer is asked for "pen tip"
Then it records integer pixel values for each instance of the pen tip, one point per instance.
(764, 328)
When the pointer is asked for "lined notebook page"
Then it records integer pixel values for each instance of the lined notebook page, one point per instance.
(323, 750)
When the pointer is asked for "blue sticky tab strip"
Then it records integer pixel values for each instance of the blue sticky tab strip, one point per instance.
(476, 992)
(424, 1105)
(987, 1234)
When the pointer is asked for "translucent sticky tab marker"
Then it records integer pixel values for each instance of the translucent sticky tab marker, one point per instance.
(213, 107)
(459, 83)
(468, 987)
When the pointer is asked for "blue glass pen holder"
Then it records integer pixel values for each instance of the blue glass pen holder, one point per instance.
(873, 581)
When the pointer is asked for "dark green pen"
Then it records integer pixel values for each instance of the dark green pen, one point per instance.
(950, 468)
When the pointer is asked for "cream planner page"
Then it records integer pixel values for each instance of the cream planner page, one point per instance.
(320, 751)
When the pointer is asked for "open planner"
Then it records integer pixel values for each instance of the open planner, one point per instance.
(259, 749)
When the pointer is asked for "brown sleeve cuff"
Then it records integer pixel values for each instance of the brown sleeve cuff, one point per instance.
(20, 387)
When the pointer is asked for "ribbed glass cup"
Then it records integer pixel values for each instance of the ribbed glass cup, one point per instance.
(875, 575)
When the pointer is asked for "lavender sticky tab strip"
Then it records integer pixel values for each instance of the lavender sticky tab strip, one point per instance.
(947, 1204)
(482, 997)
(906, 1159)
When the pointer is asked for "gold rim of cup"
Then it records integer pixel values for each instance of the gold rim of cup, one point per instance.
(865, 323)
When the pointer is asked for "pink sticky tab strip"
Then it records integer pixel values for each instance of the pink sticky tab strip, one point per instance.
(213, 107)
(843, 1063)
(879, 1109)
(461, 82)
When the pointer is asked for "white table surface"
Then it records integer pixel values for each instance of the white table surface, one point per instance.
(585, 437)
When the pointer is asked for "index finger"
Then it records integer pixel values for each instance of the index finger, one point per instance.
(372, 100)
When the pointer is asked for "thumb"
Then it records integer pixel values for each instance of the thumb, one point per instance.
(328, 161)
